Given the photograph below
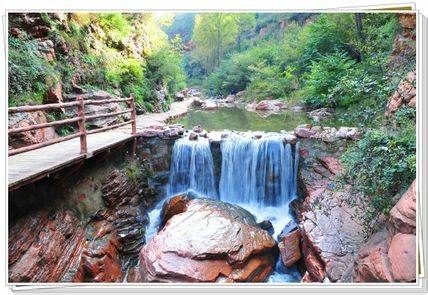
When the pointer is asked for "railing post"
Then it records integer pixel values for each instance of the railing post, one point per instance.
(133, 115)
(81, 123)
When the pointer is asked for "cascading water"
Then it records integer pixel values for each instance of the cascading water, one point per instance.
(256, 174)
(192, 169)
(260, 172)
(260, 175)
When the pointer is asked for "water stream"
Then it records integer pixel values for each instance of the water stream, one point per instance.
(256, 174)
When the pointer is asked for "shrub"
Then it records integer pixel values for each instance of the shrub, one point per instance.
(324, 75)
(28, 73)
(381, 165)
(115, 25)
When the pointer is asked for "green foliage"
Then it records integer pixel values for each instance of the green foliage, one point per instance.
(323, 77)
(133, 171)
(165, 67)
(28, 73)
(213, 35)
(381, 165)
(115, 25)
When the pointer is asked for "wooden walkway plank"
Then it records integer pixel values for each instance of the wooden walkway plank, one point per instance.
(24, 167)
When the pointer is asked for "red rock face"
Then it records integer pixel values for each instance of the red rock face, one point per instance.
(404, 95)
(331, 227)
(99, 261)
(332, 164)
(372, 264)
(390, 255)
(44, 247)
(402, 255)
(403, 214)
(210, 241)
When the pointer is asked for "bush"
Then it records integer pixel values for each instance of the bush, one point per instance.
(381, 165)
(324, 75)
(164, 66)
(28, 73)
(115, 25)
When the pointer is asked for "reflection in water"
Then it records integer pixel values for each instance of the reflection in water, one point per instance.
(239, 119)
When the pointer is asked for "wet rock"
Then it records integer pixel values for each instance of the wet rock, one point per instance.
(267, 226)
(321, 114)
(403, 214)
(211, 241)
(314, 265)
(198, 129)
(174, 206)
(100, 260)
(289, 248)
(116, 189)
(290, 138)
(22, 139)
(288, 228)
(193, 136)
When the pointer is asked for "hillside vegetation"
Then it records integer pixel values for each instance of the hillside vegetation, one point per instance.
(351, 63)
(117, 52)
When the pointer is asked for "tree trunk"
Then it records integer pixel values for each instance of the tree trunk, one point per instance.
(359, 26)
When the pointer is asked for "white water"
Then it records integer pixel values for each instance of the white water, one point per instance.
(256, 174)
(192, 168)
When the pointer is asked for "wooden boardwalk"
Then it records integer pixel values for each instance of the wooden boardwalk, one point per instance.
(33, 165)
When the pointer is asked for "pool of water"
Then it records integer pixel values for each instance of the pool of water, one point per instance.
(239, 119)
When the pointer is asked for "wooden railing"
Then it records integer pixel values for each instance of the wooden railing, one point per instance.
(80, 119)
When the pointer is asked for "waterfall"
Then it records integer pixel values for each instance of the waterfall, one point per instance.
(258, 171)
(192, 168)
(259, 175)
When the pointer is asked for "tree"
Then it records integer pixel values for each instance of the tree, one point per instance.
(246, 23)
(213, 35)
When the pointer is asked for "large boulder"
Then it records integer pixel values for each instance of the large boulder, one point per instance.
(209, 241)
(34, 136)
(270, 105)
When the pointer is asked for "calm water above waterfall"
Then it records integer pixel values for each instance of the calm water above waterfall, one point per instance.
(256, 174)
(239, 119)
